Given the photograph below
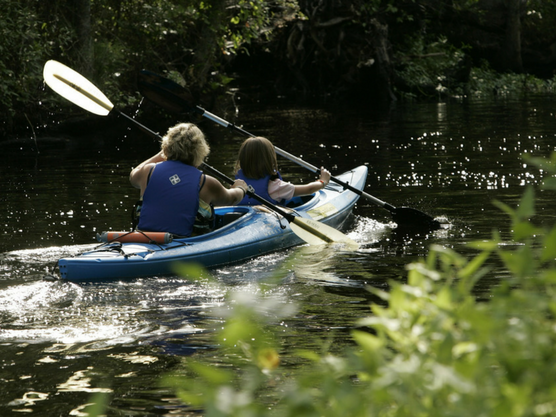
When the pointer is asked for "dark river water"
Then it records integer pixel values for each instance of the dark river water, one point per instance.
(61, 343)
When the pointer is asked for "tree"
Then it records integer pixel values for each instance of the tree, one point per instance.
(510, 50)
(81, 19)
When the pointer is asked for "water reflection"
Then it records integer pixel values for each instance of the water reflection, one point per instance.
(102, 315)
(80, 382)
(29, 399)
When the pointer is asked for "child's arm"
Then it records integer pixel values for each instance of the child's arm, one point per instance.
(314, 186)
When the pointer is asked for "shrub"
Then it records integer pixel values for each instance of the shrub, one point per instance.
(22, 49)
(431, 349)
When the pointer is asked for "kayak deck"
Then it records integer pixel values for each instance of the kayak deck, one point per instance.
(242, 232)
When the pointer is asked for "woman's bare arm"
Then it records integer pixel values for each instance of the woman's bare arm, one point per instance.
(213, 192)
(139, 174)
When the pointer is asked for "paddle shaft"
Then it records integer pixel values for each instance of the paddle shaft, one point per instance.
(294, 158)
(403, 216)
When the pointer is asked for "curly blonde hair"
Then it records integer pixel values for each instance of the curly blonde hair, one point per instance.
(186, 143)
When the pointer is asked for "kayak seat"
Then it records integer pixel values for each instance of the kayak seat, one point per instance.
(298, 200)
(227, 218)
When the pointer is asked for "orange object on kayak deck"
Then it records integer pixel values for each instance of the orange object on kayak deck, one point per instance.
(135, 237)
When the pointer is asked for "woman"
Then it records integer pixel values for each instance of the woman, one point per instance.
(258, 167)
(173, 190)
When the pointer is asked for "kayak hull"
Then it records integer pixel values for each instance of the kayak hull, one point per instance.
(246, 232)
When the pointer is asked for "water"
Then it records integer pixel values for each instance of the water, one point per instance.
(61, 343)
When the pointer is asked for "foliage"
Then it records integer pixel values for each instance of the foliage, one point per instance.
(193, 38)
(249, 21)
(21, 51)
(437, 69)
(430, 68)
(539, 21)
(432, 59)
(431, 350)
(484, 81)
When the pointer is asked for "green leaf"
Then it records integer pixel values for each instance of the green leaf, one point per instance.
(524, 230)
(367, 341)
(243, 332)
(526, 208)
(464, 348)
(309, 354)
(549, 249)
(521, 263)
(549, 276)
(472, 266)
(211, 374)
(444, 299)
(192, 271)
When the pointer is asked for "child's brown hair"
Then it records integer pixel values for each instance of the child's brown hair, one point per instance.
(257, 158)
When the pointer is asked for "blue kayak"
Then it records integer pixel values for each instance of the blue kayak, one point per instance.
(243, 232)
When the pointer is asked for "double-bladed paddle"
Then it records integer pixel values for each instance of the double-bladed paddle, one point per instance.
(175, 98)
(74, 87)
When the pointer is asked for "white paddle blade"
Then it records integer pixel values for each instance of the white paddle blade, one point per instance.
(74, 87)
(317, 233)
(308, 237)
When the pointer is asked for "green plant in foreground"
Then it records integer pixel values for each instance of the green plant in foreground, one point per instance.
(432, 350)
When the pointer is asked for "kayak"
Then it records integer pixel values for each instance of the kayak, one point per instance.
(241, 233)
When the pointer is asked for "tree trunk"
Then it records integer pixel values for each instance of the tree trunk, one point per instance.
(510, 53)
(384, 68)
(82, 23)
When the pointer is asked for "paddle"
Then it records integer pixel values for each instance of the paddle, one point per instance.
(175, 98)
(80, 91)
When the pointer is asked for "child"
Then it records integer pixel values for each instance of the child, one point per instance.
(258, 167)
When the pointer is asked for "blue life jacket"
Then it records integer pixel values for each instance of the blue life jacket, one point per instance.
(261, 189)
(171, 199)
